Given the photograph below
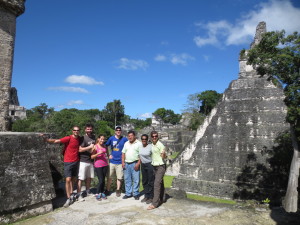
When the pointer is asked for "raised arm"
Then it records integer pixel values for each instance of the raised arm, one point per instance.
(50, 141)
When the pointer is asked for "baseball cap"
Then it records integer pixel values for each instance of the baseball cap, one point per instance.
(118, 127)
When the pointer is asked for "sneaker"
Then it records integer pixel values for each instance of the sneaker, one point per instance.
(73, 198)
(126, 196)
(68, 203)
(99, 196)
(103, 196)
(136, 197)
(149, 201)
(107, 193)
(118, 193)
(144, 199)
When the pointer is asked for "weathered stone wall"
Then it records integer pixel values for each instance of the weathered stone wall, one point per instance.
(9, 10)
(26, 186)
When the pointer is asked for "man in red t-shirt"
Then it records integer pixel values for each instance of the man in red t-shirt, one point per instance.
(71, 160)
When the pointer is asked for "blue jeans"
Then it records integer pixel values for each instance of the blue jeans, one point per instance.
(132, 179)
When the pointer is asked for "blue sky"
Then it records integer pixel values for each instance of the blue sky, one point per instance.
(147, 53)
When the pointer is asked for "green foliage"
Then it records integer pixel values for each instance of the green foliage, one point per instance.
(278, 57)
(266, 201)
(168, 115)
(101, 127)
(139, 124)
(208, 100)
(35, 119)
(113, 113)
(242, 53)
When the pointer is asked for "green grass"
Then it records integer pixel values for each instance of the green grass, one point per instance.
(210, 199)
(174, 155)
(168, 181)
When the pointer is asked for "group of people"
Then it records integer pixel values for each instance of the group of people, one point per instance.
(126, 158)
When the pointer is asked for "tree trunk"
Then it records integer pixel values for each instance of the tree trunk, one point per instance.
(290, 202)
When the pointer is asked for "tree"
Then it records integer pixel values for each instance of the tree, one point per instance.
(114, 113)
(278, 57)
(193, 104)
(208, 100)
(168, 115)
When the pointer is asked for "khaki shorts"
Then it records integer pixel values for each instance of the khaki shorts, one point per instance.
(116, 169)
(86, 170)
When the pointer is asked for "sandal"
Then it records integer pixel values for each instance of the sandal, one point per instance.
(151, 207)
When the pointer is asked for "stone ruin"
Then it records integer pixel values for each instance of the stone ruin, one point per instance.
(29, 169)
(16, 111)
(230, 152)
(9, 11)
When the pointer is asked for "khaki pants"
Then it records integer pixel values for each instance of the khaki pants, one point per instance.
(159, 188)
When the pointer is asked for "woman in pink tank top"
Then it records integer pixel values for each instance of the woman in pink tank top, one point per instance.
(100, 155)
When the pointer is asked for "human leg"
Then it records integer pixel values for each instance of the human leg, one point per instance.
(136, 180)
(159, 174)
(90, 176)
(100, 179)
(68, 186)
(120, 176)
(128, 179)
(144, 179)
(150, 185)
(70, 172)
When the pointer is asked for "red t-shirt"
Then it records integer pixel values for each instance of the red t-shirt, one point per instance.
(71, 148)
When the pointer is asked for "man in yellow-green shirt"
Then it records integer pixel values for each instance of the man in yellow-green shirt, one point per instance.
(131, 166)
(159, 165)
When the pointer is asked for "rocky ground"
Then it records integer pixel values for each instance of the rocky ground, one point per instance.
(115, 210)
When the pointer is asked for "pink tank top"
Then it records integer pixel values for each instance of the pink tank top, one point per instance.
(101, 160)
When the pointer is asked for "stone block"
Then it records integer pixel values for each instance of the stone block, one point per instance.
(26, 187)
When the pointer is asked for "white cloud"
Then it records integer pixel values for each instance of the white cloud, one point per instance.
(75, 102)
(82, 79)
(175, 59)
(181, 59)
(278, 15)
(145, 115)
(70, 103)
(206, 58)
(160, 58)
(131, 64)
(69, 89)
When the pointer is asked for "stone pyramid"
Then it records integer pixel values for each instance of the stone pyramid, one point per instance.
(241, 127)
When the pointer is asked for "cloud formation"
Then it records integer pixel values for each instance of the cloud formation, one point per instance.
(82, 79)
(75, 102)
(69, 89)
(175, 59)
(131, 64)
(278, 15)
(145, 115)
(160, 58)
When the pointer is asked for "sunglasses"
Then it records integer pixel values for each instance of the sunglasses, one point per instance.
(76, 130)
(118, 130)
(154, 136)
(144, 139)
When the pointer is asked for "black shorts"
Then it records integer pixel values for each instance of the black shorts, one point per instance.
(71, 169)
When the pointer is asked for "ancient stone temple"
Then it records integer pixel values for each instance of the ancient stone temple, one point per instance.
(230, 153)
(16, 111)
(9, 10)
